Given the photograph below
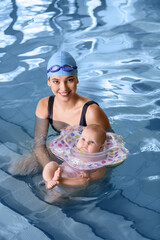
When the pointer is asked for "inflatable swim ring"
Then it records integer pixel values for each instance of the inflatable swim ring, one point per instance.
(64, 147)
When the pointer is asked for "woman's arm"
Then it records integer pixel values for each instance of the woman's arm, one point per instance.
(41, 132)
(40, 136)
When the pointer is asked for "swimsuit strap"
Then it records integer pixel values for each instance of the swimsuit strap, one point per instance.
(83, 114)
(50, 108)
(84, 110)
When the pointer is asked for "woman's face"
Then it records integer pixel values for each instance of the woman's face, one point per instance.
(63, 87)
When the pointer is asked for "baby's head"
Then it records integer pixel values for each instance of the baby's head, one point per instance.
(92, 139)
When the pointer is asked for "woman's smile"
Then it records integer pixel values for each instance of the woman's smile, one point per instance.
(64, 94)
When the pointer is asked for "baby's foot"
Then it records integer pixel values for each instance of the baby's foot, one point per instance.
(51, 184)
(57, 174)
(55, 181)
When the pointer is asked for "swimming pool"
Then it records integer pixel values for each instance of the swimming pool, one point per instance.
(116, 44)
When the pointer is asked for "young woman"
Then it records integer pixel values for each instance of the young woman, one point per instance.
(65, 107)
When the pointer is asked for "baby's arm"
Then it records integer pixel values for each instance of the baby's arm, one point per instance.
(84, 178)
(76, 181)
(98, 173)
(51, 174)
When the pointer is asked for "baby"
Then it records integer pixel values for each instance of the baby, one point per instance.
(91, 141)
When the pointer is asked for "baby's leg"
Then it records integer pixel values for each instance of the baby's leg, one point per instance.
(55, 180)
(51, 174)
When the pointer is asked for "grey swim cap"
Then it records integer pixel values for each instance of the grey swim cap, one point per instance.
(61, 59)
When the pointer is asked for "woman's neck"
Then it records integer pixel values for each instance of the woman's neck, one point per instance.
(67, 105)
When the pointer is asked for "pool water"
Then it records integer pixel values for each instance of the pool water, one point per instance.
(116, 45)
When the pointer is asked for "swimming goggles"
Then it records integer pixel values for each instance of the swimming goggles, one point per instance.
(66, 68)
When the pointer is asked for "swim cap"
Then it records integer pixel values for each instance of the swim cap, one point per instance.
(61, 59)
(64, 147)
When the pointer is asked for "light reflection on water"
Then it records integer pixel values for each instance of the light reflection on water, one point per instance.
(116, 44)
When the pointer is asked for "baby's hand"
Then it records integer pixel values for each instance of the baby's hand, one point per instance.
(85, 177)
(84, 174)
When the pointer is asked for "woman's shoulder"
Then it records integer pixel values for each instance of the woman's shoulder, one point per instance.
(83, 99)
(42, 108)
(43, 101)
(95, 114)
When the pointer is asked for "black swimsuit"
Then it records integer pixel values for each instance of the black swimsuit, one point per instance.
(83, 114)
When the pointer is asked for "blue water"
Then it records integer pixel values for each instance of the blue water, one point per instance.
(117, 47)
